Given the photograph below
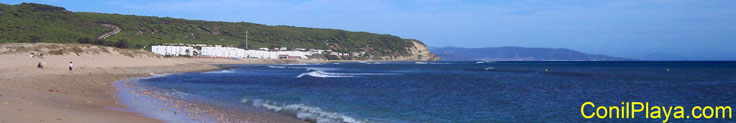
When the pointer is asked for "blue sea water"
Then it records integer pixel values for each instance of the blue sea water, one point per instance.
(457, 91)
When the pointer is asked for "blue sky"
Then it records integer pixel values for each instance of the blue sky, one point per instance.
(686, 29)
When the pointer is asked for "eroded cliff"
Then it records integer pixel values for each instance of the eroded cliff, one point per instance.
(417, 52)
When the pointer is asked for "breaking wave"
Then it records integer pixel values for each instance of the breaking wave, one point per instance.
(373, 63)
(439, 63)
(306, 68)
(154, 75)
(323, 74)
(220, 71)
(320, 69)
(297, 64)
(483, 62)
(303, 112)
(279, 67)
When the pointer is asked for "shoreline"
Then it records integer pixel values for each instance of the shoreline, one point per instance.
(86, 95)
(176, 106)
(171, 106)
(54, 94)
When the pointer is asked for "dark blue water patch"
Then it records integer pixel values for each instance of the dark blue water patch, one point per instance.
(461, 91)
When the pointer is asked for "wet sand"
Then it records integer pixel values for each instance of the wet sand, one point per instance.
(170, 107)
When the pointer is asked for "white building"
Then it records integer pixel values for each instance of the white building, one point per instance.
(173, 50)
(221, 52)
(231, 52)
(313, 51)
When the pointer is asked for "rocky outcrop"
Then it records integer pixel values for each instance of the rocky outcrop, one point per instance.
(417, 52)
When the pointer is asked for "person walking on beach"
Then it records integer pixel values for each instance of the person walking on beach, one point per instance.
(39, 65)
(70, 66)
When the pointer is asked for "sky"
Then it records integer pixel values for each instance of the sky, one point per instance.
(640, 29)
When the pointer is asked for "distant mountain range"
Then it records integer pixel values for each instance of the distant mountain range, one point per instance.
(517, 54)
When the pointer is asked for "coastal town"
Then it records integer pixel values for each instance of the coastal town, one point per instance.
(219, 51)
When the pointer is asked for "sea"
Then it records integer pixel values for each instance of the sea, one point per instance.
(440, 91)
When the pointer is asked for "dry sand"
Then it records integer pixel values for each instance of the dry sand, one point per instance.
(54, 94)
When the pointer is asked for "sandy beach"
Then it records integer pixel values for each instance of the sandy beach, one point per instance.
(54, 94)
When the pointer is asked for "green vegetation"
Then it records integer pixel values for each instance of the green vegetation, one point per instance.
(29, 22)
(43, 23)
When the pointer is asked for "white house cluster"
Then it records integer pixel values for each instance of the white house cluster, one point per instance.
(202, 50)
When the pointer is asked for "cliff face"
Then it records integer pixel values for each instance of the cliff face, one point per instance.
(417, 52)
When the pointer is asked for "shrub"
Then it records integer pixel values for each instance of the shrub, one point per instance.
(121, 44)
(35, 39)
(85, 41)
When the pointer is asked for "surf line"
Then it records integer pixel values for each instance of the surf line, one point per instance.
(628, 110)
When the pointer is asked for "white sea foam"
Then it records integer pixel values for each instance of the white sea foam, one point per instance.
(320, 69)
(153, 75)
(296, 64)
(483, 62)
(279, 67)
(221, 71)
(420, 63)
(323, 74)
(303, 112)
(176, 93)
(439, 63)
(305, 68)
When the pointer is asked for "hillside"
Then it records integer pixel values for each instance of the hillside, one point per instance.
(517, 54)
(30, 22)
